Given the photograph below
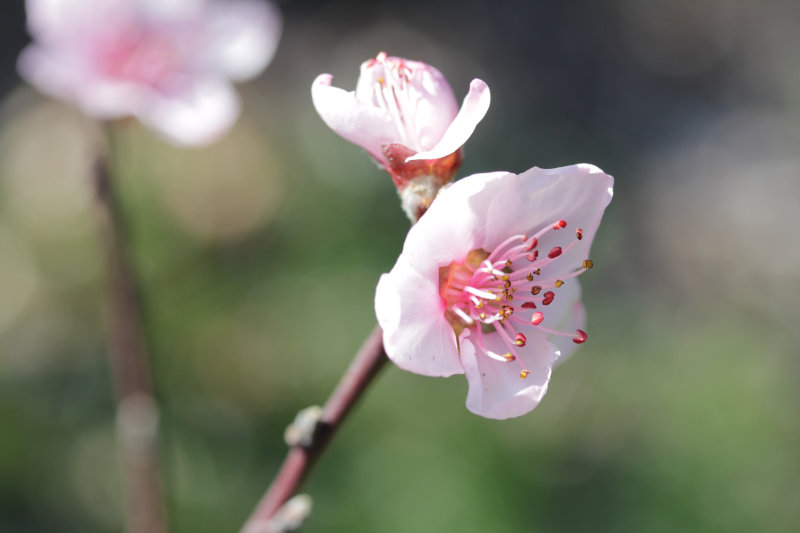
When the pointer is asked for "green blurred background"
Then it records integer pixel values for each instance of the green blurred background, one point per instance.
(259, 257)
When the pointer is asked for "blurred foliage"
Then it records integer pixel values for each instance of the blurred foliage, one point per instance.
(259, 258)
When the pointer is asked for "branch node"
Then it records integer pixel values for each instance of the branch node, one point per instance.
(302, 430)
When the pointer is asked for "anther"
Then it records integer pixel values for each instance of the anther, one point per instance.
(587, 264)
(579, 234)
(534, 242)
(509, 356)
(536, 289)
(520, 339)
(537, 318)
(533, 256)
(560, 224)
(580, 337)
(549, 296)
(559, 283)
(528, 305)
(555, 252)
(529, 277)
(524, 374)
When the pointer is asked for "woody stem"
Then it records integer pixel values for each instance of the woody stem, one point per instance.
(301, 458)
(136, 409)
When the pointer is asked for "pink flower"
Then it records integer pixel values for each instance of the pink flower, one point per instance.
(167, 62)
(404, 114)
(486, 284)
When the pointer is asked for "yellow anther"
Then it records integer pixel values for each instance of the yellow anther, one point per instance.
(559, 283)
(587, 264)
(483, 316)
(524, 374)
(529, 277)
(507, 284)
(504, 278)
(509, 356)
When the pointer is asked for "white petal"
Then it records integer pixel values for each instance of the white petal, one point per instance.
(496, 389)
(200, 114)
(367, 126)
(472, 111)
(245, 35)
(453, 226)
(416, 335)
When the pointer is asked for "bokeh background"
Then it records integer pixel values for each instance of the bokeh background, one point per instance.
(260, 254)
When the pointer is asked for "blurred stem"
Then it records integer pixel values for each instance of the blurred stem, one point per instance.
(298, 463)
(137, 416)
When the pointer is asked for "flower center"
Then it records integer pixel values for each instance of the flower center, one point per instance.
(493, 292)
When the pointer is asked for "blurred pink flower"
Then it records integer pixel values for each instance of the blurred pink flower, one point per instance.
(486, 284)
(167, 62)
(404, 114)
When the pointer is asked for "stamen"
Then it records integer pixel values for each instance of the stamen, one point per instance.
(580, 337)
(533, 256)
(587, 264)
(579, 234)
(524, 374)
(549, 296)
(536, 289)
(528, 305)
(482, 294)
(537, 318)
(555, 252)
(520, 340)
(561, 224)
(559, 283)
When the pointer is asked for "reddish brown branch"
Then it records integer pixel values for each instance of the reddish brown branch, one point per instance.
(137, 411)
(365, 366)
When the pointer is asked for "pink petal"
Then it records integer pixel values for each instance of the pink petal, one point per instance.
(454, 224)
(474, 108)
(245, 34)
(416, 335)
(359, 123)
(55, 20)
(201, 114)
(539, 197)
(495, 388)
(63, 75)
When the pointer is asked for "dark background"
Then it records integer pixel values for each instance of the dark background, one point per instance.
(259, 257)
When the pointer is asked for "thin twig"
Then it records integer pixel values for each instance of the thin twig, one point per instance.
(137, 411)
(365, 366)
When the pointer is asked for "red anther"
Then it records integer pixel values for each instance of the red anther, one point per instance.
(549, 296)
(533, 244)
(579, 234)
(555, 252)
(520, 339)
(537, 318)
(528, 305)
(580, 337)
(560, 224)
(532, 257)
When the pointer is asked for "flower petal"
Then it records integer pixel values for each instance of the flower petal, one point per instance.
(538, 197)
(360, 123)
(474, 108)
(245, 34)
(496, 389)
(454, 224)
(416, 335)
(200, 114)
